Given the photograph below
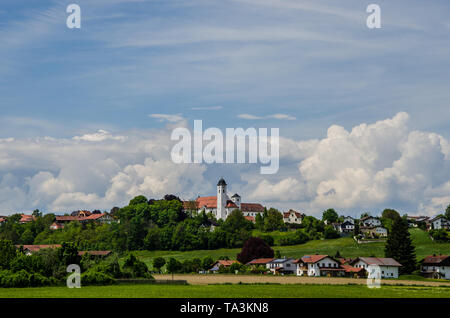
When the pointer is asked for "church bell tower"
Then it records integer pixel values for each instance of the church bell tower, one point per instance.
(221, 199)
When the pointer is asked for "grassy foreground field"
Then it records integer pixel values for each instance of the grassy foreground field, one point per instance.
(228, 291)
(346, 246)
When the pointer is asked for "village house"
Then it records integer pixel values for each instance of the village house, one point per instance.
(414, 221)
(435, 266)
(101, 218)
(56, 226)
(260, 262)
(222, 205)
(440, 222)
(81, 213)
(222, 263)
(62, 220)
(293, 217)
(318, 265)
(344, 227)
(30, 249)
(374, 231)
(354, 272)
(349, 219)
(25, 218)
(370, 221)
(282, 266)
(388, 266)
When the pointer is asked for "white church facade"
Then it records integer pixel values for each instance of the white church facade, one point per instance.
(222, 205)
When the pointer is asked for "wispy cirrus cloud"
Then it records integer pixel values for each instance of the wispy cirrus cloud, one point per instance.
(207, 108)
(173, 118)
(274, 116)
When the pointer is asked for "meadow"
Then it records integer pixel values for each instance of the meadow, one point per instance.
(229, 291)
(346, 246)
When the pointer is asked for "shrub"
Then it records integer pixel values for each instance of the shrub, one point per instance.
(134, 268)
(96, 278)
(440, 235)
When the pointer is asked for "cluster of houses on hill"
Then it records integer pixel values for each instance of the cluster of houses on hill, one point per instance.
(434, 266)
(62, 220)
(221, 206)
(30, 249)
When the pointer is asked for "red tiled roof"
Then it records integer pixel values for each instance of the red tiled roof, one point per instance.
(57, 225)
(252, 207)
(231, 204)
(67, 218)
(250, 218)
(260, 261)
(94, 216)
(344, 260)
(35, 248)
(351, 269)
(2, 220)
(208, 202)
(297, 214)
(26, 218)
(226, 263)
(313, 258)
(436, 259)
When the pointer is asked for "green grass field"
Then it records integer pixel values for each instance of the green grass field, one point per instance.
(228, 291)
(347, 247)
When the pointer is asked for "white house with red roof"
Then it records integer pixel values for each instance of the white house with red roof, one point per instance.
(436, 266)
(292, 216)
(319, 265)
(222, 205)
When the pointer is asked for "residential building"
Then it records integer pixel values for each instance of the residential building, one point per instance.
(354, 272)
(349, 219)
(370, 221)
(282, 266)
(260, 262)
(436, 266)
(102, 218)
(30, 249)
(56, 226)
(318, 265)
(26, 218)
(293, 217)
(388, 267)
(440, 222)
(374, 231)
(346, 227)
(224, 263)
(414, 221)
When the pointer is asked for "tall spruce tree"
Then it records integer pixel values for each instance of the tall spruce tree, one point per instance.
(399, 246)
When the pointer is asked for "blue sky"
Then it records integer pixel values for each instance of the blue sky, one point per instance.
(231, 63)
(314, 60)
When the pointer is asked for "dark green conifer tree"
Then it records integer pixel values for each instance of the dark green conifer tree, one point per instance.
(399, 246)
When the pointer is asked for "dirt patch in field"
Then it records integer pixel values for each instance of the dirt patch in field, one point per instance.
(205, 279)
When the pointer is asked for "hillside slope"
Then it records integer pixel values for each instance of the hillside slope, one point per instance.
(347, 247)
